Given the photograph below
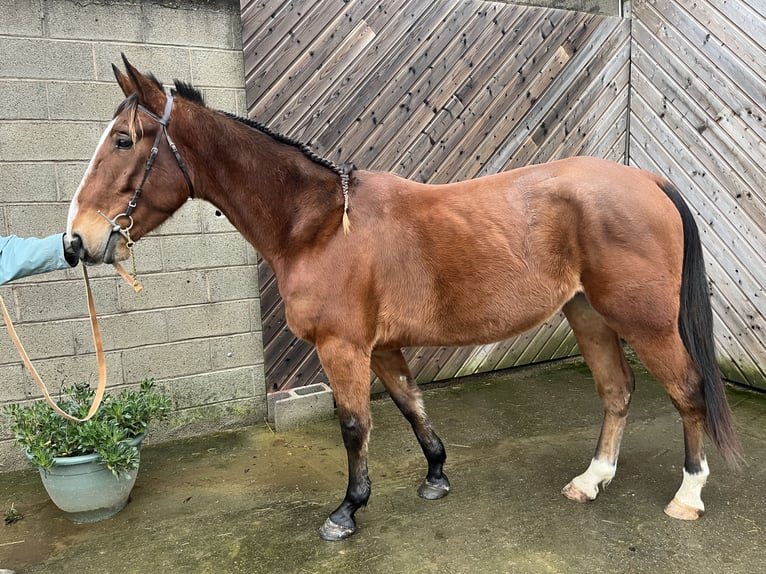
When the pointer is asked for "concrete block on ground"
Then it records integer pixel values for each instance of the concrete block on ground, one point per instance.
(293, 408)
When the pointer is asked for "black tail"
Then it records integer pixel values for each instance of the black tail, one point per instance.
(695, 324)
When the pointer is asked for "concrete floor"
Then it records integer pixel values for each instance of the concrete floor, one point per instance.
(252, 501)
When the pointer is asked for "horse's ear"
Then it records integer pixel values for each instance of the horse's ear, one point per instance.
(125, 83)
(149, 93)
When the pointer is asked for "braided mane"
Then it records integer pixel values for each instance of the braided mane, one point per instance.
(189, 92)
(307, 151)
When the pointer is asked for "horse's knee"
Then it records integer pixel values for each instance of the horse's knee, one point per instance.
(355, 431)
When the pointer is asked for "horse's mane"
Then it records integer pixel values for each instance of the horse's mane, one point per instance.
(305, 148)
(189, 92)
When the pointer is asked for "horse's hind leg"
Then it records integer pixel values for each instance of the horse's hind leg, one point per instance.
(601, 348)
(667, 360)
(393, 371)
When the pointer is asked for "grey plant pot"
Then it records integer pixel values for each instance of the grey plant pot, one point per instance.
(87, 491)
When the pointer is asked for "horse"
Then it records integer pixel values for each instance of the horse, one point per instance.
(369, 262)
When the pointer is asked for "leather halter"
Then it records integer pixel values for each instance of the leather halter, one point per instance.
(164, 121)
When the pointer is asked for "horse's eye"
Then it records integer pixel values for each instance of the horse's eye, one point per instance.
(123, 142)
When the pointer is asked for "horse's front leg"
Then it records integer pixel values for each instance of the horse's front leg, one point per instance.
(348, 369)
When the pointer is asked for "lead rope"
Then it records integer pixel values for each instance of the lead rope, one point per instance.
(99, 354)
(131, 277)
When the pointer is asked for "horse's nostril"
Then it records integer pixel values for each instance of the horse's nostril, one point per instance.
(73, 246)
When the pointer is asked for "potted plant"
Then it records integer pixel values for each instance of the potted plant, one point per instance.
(89, 468)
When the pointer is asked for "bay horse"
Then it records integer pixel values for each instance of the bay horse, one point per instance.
(369, 262)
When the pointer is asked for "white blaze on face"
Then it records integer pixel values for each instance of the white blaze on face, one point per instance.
(73, 207)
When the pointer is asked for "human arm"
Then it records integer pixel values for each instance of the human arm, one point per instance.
(21, 257)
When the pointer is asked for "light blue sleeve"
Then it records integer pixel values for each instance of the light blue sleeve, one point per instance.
(20, 257)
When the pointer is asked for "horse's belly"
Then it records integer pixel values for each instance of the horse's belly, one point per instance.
(472, 322)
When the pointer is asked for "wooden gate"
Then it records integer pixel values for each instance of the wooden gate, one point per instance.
(434, 91)
(698, 115)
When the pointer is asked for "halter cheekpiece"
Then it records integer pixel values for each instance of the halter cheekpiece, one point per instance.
(163, 121)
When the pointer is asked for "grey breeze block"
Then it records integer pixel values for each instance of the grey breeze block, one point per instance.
(293, 408)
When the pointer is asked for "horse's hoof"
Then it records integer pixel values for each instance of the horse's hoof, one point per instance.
(573, 493)
(681, 511)
(334, 532)
(431, 491)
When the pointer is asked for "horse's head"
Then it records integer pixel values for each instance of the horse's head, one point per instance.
(136, 178)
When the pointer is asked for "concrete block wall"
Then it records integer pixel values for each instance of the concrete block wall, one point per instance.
(196, 326)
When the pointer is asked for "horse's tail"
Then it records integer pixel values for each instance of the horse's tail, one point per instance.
(695, 324)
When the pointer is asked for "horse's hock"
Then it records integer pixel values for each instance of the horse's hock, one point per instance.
(293, 408)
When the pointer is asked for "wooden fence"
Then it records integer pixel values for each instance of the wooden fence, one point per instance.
(698, 115)
(434, 91)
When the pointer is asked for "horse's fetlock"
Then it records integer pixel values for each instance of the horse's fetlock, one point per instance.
(434, 450)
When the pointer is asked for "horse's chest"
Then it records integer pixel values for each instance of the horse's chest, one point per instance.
(318, 303)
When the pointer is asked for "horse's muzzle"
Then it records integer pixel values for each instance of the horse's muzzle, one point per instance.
(109, 251)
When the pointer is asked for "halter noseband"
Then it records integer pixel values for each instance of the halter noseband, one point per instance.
(163, 121)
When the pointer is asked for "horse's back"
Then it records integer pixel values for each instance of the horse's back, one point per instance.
(574, 211)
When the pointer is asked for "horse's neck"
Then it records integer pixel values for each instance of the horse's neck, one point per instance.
(278, 198)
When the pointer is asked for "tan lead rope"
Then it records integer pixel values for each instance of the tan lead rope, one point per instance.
(99, 353)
